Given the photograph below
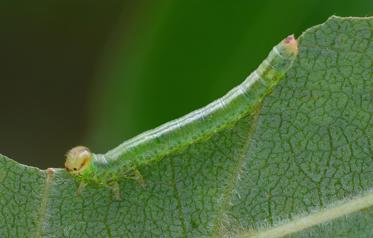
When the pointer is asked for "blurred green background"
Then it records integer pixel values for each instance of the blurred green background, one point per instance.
(99, 72)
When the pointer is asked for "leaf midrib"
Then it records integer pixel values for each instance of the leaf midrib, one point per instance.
(300, 223)
(42, 211)
(230, 188)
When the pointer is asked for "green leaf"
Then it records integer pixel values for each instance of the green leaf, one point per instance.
(300, 167)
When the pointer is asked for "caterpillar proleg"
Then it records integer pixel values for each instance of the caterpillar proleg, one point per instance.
(123, 161)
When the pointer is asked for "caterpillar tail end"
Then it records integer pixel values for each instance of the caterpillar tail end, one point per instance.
(282, 56)
(291, 44)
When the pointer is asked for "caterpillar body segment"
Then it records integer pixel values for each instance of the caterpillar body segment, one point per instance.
(122, 161)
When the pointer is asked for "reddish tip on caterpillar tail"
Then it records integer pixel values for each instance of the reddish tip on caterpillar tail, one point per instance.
(292, 44)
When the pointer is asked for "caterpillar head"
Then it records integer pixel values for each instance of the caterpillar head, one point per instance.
(78, 160)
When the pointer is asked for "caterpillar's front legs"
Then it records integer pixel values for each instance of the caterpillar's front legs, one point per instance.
(135, 175)
(138, 177)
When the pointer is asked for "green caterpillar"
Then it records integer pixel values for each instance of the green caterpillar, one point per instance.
(123, 161)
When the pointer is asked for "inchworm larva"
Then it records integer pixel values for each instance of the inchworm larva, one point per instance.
(152, 145)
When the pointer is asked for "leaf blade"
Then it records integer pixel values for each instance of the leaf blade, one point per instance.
(311, 148)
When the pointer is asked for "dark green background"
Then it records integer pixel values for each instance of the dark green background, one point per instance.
(98, 72)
